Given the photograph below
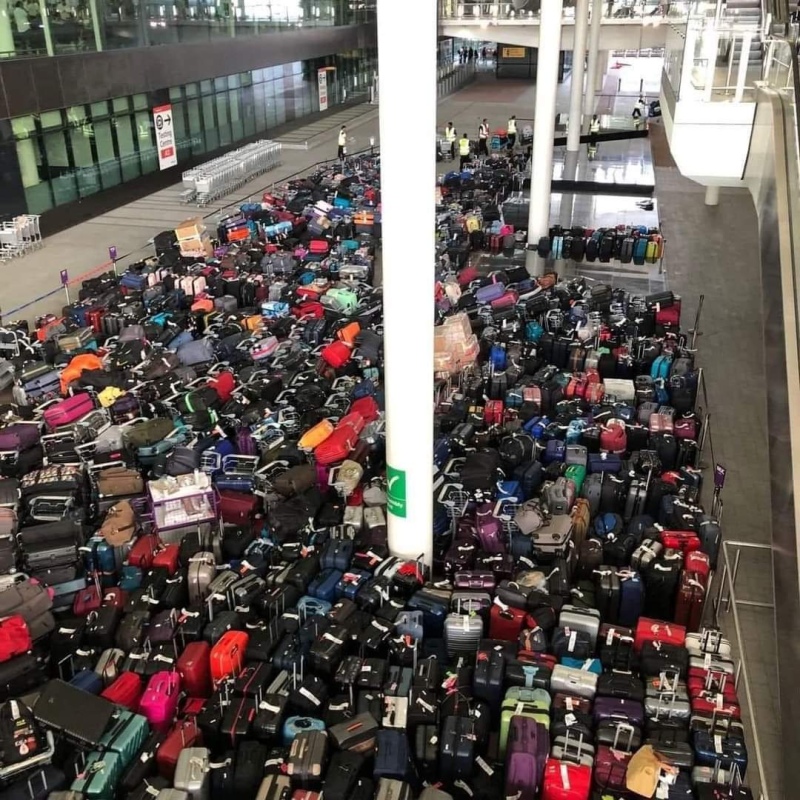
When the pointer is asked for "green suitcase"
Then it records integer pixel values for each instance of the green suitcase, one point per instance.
(521, 694)
(100, 776)
(577, 474)
(538, 711)
(125, 735)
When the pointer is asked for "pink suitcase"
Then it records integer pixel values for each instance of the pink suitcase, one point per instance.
(69, 410)
(160, 700)
(264, 348)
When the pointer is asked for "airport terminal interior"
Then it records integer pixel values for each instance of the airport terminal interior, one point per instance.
(676, 119)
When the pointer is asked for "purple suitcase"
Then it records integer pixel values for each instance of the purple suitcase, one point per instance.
(491, 292)
(618, 708)
(489, 531)
(528, 746)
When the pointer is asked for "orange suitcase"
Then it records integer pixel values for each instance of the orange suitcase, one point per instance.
(316, 435)
(349, 332)
(227, 655)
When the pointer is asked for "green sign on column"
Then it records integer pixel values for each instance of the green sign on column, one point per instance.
(396, 485)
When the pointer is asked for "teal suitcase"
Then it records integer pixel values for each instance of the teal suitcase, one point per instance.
(125, 735)
(99, 778)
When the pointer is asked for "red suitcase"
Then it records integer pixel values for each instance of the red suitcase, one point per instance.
(566, 781)
(341, 442)
(506, 623)
(194, 667)
(716, 704)
(227, 655)
(656, 630)
(15, 638)
(336, 354)
(183, 734)
(238, 508)
(87, 600)
(367, 407)
(715, 683)
(114, 597)
(685, 541)
(95, 319)
(143, 551)
(493, 412)
(698, 562)
(691, 601)
(167, 557)
(572, 702)
(126, 691)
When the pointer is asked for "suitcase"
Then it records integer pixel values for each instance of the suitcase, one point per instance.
(160, 700)
(392, 757)
(192, 773)
(307, 758)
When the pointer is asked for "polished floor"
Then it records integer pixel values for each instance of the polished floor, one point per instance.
(710, 252)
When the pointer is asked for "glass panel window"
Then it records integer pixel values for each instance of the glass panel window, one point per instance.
(191, 89)
(175, 93)
(223, 123)
(195, 126)
(99, 109)
(106, 157)
(140, 101)
(128, 155)
(120, 105)
(148, 156)
(234, 104)
(206, 87)
(209, 125)
(86, 174)
(181, 136)
(50, 119)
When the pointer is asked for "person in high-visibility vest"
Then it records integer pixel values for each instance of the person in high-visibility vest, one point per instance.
(342, 143)
(594, 128)
(483, 138)
(511, 132)
(450, 135)
(463, 151)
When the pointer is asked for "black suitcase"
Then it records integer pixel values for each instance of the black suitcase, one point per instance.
(342, 775)
(426, 751)
(308, 755)
(457, 749)
(143, 766)
(268, 721)
(607, 592)
(249, 769)
(309, 696)
(488, 679)
(661, 586)
(36, 785)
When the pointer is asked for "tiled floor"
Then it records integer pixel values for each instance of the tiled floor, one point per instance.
(709, 251)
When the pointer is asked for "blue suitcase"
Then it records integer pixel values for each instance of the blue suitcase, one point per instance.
(89, 681)
(323, 586)
(639, 251)
(182, 338)
(583, 664)
(312, 607)
(392, 758)
(134, 281)
(337, 554)
(433, 611)
(631, 598)
(554, 452)
(350, 584)
(726, 751)
(130, 578)
(295, 725)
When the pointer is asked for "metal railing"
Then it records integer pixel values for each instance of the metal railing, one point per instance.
(726, 601)
(622, 12)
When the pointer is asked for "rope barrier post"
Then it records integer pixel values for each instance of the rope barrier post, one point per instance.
(65, 283)
(112, 255)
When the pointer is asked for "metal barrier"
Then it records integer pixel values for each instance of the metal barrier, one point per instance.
(727, 601)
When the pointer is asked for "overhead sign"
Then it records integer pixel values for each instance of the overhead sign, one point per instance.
(515, 52)
(165, 137)
(322, 81)
(396, 491)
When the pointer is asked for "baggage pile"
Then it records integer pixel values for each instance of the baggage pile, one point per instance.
(570, 528)
(204, 605)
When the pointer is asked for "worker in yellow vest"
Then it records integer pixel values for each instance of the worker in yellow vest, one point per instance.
(483, 138)
(463, 151)
(511, 132)
(450, 136)
(342, 143)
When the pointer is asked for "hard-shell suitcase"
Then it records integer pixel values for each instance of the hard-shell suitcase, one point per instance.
(160, 700)
(307, 758)
(192, 773)
(392, 758)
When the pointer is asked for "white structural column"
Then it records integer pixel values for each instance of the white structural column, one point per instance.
(591, 61)
(544, 126)
(408, 176)
(712, 195)
(578, 62)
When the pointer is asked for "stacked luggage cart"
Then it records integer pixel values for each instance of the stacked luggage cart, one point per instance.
(19, 236)
(199, 479)
(227, 173)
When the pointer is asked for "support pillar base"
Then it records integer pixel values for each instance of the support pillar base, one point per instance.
(712, 196)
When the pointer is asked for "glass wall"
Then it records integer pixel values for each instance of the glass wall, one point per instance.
(56, 27)
(71, 153)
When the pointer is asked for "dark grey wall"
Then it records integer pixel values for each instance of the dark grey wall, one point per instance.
(30, 86)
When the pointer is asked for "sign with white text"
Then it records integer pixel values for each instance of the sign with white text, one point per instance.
(165, 137)
(322, 80)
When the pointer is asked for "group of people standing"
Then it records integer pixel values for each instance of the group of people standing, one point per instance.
(464, 143)
(469, 54)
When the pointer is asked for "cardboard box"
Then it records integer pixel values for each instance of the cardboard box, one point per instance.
(192, 228)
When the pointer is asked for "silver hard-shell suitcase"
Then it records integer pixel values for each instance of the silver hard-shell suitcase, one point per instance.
(554, 537)
(462, 633)
(580, 619)
(201, 574)
(568, 680)
(109, 665)
(192, 773)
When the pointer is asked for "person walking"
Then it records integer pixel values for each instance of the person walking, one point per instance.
(511, 131)
(450, 135)
(463, 151)
(483, 138)
(342, 143)
(594, 129)
(638, 113)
